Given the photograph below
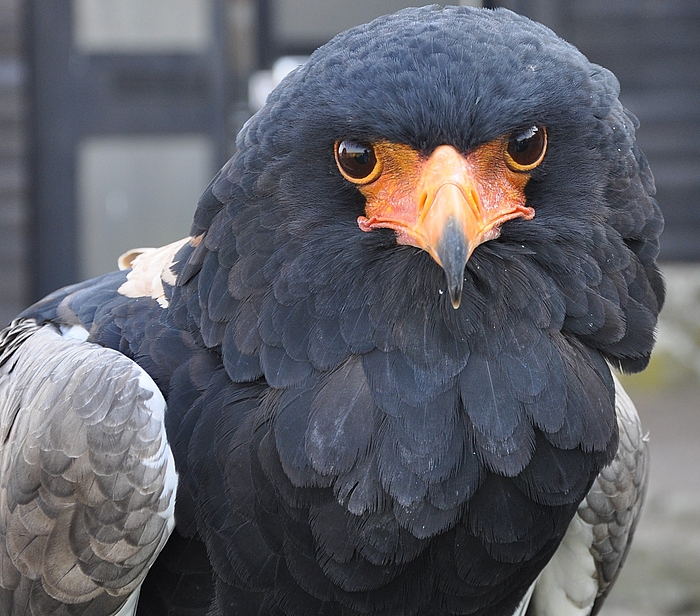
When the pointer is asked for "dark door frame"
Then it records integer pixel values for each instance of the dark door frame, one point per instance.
(75, 95)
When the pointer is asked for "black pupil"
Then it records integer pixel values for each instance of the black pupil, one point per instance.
(357, 159)
(526, 148)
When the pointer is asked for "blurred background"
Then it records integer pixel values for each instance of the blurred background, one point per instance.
(115, 114)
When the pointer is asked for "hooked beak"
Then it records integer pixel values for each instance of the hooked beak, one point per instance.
(457, 203)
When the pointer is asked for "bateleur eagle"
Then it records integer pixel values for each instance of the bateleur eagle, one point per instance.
(375, 380)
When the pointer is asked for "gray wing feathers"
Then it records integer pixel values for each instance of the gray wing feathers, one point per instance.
(614, 502)
(87, 480)
(584, 567)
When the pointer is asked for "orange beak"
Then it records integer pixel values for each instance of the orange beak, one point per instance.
(446, 204)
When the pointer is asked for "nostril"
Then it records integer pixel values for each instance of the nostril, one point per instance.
(422, 200)
(474, 202)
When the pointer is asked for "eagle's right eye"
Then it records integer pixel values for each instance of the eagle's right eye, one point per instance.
(357, 161)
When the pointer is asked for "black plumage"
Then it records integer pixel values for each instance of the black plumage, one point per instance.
(346, 441)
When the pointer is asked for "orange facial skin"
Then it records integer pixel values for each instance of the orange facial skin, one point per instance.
(447, 203)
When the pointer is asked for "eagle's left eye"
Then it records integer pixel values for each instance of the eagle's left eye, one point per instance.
(526, 149)
(357, 161)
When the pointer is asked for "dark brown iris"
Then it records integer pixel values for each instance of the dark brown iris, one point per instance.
(357, 161)
(526, 149)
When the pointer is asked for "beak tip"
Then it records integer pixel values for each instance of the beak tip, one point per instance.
(453, 252)
(456, 296)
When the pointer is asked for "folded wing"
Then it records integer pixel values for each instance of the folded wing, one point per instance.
(87, 479)
(584, 568)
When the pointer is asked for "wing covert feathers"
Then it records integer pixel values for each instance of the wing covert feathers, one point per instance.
(150, 268)
(584, 568)
(87, 488)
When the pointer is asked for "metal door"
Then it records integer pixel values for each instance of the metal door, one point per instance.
(129, 127)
